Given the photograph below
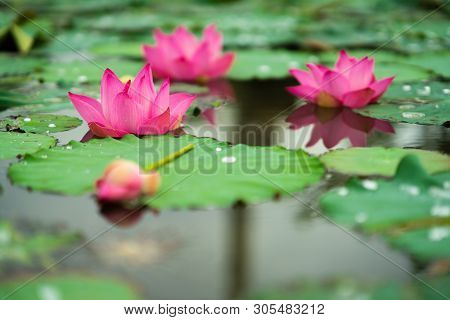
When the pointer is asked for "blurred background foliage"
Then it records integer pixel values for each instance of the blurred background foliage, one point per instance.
(48, 47)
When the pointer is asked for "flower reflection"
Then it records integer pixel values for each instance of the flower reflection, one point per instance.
(333, 125)
(120, 214)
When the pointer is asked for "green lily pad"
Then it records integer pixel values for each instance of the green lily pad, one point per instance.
(351, 289)
(23, 248)
(214, 174)
(13, 65)
(381, 161)
(79, 41)
(418, 103)
(131, 49)
(13, 144)
(87, 71)
(427, 243)
(412, 195)
(67, 287)
(40, 123)
(437, 62)
(387, 64)
(267, 64)
(412, 209)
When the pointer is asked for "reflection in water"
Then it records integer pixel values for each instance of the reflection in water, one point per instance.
(120, 214)
(332, 125)
(238, 251)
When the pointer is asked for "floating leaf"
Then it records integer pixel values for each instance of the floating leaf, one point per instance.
(87, 71)
(351, 289)
(387, 64)
(267, 64)
(381, 161)
(20, 247)
(122, 49)
(40, 123)
(437, 62)
(413, 209)
(427, 243)
(11, 65)
(250, 174)
(375, 204)
(67, 287)
(420, 103)
(13, 144)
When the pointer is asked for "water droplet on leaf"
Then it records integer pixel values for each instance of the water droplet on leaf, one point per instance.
(438, 233)
(231, 159)
(370, 184)
(413, 115)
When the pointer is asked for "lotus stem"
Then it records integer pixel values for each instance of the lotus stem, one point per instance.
(169, 158)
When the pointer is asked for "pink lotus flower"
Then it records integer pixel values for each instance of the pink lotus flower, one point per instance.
(350, 84)
(181, 56)
(122, 180)
(134, 107)
(334, 125)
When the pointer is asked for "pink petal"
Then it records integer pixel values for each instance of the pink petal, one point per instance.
(88, 108)
(302, 117)
(185, 41)
(304, 77)
(142, 89)
(384, 126)
(161, 102)
(327, 100)
(358, 98)
(213, 38)
(380, 88)
(316, 135)
(125, 114)
(110, 192)
(158, 61)
(110, 87)
(221, 65)
(357, 121)
(179, 103)
(209, 115)
(335, 84)
(201, 59)
(157, 125)
(361, 74)
(102, 131)
(304, 92)
(345, 62)
(317, 71)
(358, 139)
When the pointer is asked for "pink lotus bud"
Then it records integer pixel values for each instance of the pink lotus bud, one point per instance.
(134, 107)
(150, 183)
(122, 180)
(351, 83)
(181, 56)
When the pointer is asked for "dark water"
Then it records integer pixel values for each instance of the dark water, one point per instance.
(215, 254)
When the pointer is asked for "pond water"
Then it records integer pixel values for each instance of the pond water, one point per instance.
(233, 253)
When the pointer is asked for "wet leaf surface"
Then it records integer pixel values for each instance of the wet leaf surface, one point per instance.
(419, 103)
(13, 144)
(381, 161)
(40, 123)
(249, 174)
(412, 209)
(68, 286)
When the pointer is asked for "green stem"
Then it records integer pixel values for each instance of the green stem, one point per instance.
(169, 158)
